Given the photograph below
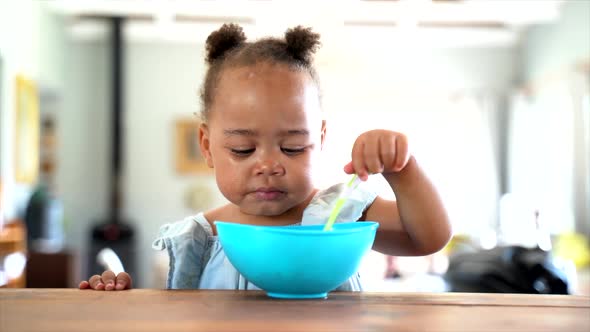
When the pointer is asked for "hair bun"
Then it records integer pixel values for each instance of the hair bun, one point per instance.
(302, 43)
(226, 38)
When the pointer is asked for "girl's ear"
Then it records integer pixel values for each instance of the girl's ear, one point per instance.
(323, 133)
(205, 145)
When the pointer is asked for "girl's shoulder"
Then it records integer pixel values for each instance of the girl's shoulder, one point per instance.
(195, 227)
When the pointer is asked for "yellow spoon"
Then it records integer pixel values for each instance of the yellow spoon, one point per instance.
(350, 186)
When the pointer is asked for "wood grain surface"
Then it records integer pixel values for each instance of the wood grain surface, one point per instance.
(199, 310)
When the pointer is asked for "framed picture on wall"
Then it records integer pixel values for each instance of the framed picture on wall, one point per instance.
(188, 154)
(26, 130)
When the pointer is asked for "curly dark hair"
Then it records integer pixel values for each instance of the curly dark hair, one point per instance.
(227, 48)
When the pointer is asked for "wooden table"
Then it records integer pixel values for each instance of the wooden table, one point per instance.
(176, 310)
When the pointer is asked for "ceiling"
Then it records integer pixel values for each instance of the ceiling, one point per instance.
(432, 23)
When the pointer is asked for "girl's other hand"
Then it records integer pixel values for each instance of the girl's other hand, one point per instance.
(108, 281)
(378, 151)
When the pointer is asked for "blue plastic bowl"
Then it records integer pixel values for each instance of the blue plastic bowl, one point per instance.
(296, 262)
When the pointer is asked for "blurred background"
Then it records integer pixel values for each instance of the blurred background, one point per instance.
(97, 145)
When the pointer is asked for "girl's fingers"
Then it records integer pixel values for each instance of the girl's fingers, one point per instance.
(123, 281)
(372, 156)
(358, 162)
(108, 281)
(95, 282)
(377, 152)
(388, 152)
(108, 278)
(402, 152)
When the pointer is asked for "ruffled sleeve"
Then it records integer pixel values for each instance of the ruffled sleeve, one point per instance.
(187, 243)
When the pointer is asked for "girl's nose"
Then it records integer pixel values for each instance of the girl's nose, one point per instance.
(270, 166)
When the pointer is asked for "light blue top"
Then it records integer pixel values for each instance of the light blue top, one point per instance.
(197, 259)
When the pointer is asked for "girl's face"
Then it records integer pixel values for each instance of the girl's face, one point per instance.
(263, 133)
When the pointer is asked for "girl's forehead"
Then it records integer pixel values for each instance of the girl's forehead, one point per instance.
(265, 72)
(251, 99)
(265, 86)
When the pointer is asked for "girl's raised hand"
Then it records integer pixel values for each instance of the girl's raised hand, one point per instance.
(108, 281)
(378, 151)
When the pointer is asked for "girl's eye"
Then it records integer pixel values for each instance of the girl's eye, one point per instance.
(242, 153)
(292, 152)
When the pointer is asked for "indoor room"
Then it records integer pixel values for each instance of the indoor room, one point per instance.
(100, 141)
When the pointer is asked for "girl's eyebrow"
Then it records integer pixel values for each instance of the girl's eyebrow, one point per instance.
(295, 132)
(249, 132)
(239, 132)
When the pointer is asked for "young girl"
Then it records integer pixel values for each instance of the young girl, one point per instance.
(262, 130)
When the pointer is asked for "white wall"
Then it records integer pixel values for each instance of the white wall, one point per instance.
(83, 138)
(552, 48)
(18, 48)
(31, 44)
(550, 54)
(378, 80)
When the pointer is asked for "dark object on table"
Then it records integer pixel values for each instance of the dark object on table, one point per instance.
(50, 270)
(44, 220)
(510, 269)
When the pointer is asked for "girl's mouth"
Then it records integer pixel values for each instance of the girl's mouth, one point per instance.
(268, 194)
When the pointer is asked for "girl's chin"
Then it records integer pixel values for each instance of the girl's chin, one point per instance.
(266, 210)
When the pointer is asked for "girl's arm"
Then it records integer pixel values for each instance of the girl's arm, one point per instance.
(414, 225)
(417, 223)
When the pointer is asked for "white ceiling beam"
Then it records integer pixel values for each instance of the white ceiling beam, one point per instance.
(510, 12)
(438, 24)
